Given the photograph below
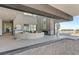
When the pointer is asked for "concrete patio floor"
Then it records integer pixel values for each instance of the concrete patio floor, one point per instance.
(7, 43)
(61, 45)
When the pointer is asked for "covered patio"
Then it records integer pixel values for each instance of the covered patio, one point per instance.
(9, 45)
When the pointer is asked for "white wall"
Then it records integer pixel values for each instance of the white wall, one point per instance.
(0, 26)
(24, 19)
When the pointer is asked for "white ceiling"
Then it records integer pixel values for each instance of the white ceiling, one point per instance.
(72, 9)
(8, 14)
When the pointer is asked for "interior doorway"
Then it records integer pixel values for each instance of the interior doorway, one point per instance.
(7, 27)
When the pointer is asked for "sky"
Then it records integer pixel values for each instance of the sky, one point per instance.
(70, 24)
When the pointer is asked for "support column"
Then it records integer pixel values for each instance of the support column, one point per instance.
(0, 26)
(52, 27)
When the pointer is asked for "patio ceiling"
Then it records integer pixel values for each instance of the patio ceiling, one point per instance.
(40, 9)
(72, 9)
(8, 14)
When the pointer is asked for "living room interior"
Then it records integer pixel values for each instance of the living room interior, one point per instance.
(22, 25)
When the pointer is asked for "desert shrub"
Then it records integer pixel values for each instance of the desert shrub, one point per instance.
(77, 30)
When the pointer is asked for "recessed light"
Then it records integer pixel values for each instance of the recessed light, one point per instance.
(28, 14)
(25, 13)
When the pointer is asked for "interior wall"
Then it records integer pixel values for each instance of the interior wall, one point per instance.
(22, 19)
